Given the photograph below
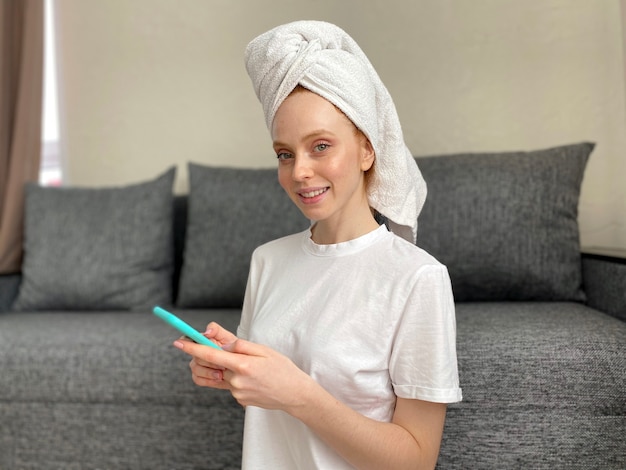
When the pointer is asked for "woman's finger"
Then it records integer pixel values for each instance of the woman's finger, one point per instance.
(229, 358)
(217, 333)
(205, 372)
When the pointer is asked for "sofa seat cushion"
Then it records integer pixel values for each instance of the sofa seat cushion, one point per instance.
(92, 436)
(541, 354)
(553, 375)
(101, 357)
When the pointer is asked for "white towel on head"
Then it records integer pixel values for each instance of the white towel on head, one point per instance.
(324, 59)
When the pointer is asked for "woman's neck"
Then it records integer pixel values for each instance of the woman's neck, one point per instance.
(325, 232)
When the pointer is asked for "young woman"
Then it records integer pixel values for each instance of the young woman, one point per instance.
(345, 355)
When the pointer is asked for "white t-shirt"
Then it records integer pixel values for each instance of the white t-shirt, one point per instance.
(369, 319)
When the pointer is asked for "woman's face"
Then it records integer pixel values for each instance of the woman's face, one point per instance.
(322, 158)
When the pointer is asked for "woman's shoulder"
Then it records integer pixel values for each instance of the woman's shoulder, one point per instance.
(407, 263)
(403, 251)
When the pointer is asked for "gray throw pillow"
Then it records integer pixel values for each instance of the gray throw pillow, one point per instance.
(505, 224)
(98, 248)
(231, 211)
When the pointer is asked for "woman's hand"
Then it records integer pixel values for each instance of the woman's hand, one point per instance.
(255, 374)
(204, 373)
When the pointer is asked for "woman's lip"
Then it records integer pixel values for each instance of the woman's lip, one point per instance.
(311, 192)
(311, 195)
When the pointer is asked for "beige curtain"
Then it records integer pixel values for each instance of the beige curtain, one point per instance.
(21, 72)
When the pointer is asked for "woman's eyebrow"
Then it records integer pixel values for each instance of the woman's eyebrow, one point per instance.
(311, 135)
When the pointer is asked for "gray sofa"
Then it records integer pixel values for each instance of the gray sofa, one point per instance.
(90, 379)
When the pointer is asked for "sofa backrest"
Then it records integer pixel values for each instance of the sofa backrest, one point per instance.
(505, 225)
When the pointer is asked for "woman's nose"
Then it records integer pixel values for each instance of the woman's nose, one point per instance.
(302, 169)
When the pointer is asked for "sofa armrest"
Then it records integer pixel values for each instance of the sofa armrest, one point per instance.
(9, 286)
(604, 281)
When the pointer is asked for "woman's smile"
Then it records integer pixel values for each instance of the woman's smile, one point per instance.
(312, 195)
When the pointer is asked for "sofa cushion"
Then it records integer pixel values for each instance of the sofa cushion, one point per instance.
(94, 249)
(541, 382)
(505, 224)
(112, 382)
(230, 212)
(102, 357)
(110, 435)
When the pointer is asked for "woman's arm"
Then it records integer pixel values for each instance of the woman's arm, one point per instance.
(259, 376)
(410, 441)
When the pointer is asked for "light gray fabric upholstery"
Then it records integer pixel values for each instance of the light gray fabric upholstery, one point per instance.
(9, 287)
(98, 249)
(112, 436)
(119, 357)
(604, 284)
(505, 224)
(107, 390)
(544, 387)
(230, 212)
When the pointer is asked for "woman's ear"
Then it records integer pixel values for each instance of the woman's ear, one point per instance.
(367, 154)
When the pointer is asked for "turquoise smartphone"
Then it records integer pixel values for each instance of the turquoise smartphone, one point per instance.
(183, 327)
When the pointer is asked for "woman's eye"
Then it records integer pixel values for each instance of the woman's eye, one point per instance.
(283, 155)
(321, 147)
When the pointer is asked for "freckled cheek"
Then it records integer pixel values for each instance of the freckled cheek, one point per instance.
(342, 171)
(284, 179)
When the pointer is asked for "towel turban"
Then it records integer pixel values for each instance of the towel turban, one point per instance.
(322, 58)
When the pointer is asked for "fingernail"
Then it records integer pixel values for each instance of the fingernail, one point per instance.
(178, 344)
(208, 331)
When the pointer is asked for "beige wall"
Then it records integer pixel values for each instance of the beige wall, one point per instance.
(153, 83)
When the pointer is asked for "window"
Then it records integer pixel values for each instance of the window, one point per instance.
(51, 170)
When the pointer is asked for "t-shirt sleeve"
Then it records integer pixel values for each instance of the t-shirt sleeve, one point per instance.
(423, 362)
(243, 330)
(244, 323)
